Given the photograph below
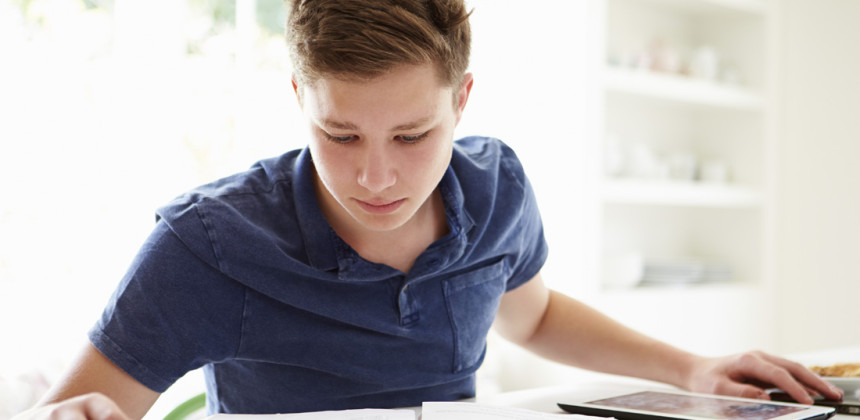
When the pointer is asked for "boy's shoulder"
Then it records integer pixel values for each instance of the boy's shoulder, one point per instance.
(490, 156)
(480, 148)
(228, 215)
(261, 178)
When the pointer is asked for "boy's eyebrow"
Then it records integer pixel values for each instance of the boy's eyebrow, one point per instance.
(413, 124)
(343, 125)
(339, 125)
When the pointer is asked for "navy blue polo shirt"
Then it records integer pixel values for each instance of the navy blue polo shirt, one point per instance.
(245, 278)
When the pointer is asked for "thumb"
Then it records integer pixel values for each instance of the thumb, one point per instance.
(99, 407)
(736, 389)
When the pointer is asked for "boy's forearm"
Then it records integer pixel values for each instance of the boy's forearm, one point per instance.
(576, 334)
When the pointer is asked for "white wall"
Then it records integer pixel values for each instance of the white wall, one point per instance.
(529, 63)
(531, 73)
(818, 228)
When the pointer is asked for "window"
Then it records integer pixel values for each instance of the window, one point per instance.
(111, 108)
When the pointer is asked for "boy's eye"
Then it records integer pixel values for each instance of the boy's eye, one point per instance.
(413, 139)
(339, 139)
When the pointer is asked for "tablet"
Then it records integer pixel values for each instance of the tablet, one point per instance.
(673, 405)
(850, 406)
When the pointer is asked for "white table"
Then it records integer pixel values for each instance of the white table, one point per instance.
(546, 399)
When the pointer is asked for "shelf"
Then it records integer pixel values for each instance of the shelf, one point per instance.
(678, 193)
(681, 89)
(716, 7)
(661, 96)
(675, 292)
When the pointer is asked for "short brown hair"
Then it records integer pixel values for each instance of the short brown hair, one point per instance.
(363, 39)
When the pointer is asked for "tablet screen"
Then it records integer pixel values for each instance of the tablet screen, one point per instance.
(695, 406)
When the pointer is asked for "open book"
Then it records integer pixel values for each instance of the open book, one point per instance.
(428, 411)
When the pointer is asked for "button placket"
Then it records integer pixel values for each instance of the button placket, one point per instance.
(408, 310)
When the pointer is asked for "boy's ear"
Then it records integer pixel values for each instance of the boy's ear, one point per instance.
(463, 94)
(296, 89)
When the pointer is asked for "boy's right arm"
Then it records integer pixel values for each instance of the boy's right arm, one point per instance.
(94, 388)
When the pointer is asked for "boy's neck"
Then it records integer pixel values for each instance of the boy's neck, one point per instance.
(399, 247)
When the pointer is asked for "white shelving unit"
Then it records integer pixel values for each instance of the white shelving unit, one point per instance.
(680, 89)
(679, 193)
(684, 119)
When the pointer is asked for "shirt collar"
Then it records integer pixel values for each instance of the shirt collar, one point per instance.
(318, 236)
(455, 210)
(326, 251)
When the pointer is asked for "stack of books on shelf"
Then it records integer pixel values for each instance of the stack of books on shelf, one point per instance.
(684, 272)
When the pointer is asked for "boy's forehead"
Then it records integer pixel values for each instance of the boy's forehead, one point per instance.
(406, 98)
(425, 73)
(359, 118)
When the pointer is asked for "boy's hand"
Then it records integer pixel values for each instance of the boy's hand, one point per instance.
(93, 406)
(749, 374)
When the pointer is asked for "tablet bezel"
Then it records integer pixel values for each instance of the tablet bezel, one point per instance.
(588, 407)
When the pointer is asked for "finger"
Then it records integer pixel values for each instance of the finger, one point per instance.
(762, 367)
(100, 407)
(785, 381)
(66, 412)
(93, 406)
(808, 378)
(812, 393)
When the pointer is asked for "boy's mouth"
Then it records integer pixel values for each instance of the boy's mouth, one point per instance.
(380, 206)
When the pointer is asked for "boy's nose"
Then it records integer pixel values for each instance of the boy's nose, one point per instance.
(377, 172)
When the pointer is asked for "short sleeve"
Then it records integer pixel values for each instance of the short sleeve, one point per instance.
(529, 235)
(171, 313)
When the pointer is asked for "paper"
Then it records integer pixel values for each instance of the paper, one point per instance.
(358, 414)
(429, 411)
(472, 411)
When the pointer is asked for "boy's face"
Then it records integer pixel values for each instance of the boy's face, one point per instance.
(380, 147)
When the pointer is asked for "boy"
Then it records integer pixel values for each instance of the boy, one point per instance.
(366, 269)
